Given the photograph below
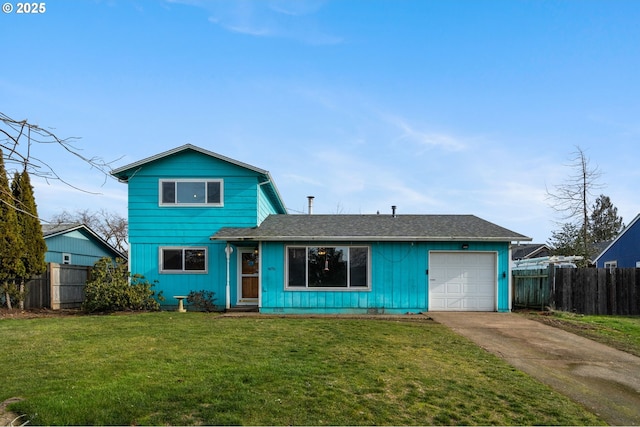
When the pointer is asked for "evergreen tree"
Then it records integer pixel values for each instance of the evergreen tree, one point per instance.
(605, 224)
(567, 240)
(30, 230)
(11, 245)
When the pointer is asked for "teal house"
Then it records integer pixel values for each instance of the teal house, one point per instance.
(202, 221)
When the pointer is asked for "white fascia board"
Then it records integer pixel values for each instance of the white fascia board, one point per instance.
(628, 227)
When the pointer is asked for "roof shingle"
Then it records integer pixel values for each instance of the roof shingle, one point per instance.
(372, 227)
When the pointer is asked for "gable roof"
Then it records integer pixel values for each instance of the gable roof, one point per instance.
(529, 250)
(371, 228)
(125, 172)
(53, 230)
(618, 237)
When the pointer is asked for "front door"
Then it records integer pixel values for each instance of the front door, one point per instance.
(249, 276)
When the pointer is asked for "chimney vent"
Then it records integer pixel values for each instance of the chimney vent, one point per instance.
(310, 198)
(393, 211)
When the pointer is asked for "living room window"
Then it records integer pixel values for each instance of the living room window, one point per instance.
(327, 267)
(191, 192)
(183, 260)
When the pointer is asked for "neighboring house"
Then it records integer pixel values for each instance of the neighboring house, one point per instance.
(71, 250)
(530, 250)
(75, 244)
(202, 221)
(624, 250)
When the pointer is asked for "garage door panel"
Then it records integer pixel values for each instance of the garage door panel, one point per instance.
(462, 281)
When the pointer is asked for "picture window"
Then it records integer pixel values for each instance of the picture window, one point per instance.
(330, 267)
(191, 192)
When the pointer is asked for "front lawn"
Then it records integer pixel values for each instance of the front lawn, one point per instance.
(196, 368)
(621, 332)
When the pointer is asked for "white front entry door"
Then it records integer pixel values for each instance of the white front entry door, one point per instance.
(248, 276)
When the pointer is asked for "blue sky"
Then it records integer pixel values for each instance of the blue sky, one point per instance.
(457, 107)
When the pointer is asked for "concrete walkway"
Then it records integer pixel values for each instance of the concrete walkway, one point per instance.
(605, 380)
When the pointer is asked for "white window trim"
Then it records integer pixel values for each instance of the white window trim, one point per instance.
(183, 271)
(306, 288)
(611, 264)
(66, 258)
(188, 205)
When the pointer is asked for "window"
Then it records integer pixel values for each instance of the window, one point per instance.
(191, 192)
(327, 267)
(66, 258)
(611, 265)
(183, 260)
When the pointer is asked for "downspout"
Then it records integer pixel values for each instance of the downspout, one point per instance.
(228, 250)
(259, 275)
(510, 280)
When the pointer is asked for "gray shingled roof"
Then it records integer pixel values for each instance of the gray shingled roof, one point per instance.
(372, 227)
(53, 229)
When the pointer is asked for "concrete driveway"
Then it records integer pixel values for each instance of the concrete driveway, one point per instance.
(605, 380)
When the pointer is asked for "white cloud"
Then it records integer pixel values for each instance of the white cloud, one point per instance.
(276, 18)
(424, 139)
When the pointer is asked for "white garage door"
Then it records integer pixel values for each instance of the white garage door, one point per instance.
(462, 281)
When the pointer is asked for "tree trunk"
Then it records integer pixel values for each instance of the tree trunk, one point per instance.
(21, 294)
(8, 298)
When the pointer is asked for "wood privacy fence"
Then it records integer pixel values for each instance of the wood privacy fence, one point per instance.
(61, 286)
(580, 290)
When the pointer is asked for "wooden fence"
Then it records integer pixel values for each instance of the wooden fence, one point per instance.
(61, 286)
(580, 290)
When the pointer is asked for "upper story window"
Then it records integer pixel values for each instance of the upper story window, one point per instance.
(191, 192)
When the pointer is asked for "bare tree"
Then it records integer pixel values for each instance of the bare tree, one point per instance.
(572, 198)
(18, 139)
(111, 226)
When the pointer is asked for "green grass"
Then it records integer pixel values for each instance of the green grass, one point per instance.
(196, 368)
(621, 332)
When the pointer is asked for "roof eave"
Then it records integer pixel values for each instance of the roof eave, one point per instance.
(372, 238)
(119, 172)
(618, 237)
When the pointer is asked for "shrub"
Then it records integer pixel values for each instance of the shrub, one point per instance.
(202, 300)
(111, 288)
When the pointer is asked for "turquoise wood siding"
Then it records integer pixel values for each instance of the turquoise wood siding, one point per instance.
(83, 248)
(265, 205)
(152, 226)
(399, 280)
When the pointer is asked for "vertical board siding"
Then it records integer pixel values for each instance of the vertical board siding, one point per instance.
(59, 287)
(531, 288)
(172, 284)
(597, 291)
(399, 283)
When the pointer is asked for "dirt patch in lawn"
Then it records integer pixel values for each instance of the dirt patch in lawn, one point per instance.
(36, 313)
(8, 418)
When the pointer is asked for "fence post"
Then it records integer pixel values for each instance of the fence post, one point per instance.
(551, 285)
